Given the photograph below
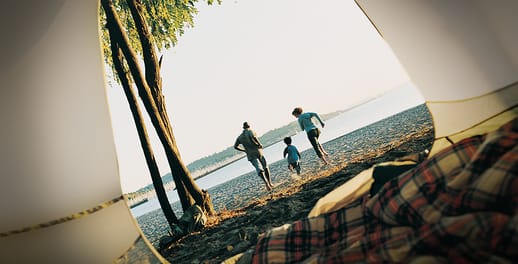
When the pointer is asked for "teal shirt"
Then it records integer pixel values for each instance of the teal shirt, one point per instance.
(307, 122)
(293, 154)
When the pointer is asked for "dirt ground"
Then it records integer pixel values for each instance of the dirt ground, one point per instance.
(233, 232)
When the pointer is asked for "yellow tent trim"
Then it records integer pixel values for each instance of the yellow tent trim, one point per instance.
(63, 219)
(508, 88)
(483, 127)
(453, 117)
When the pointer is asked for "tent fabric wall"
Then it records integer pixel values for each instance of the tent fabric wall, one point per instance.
(57, 154)
(461, 55)
(457, 115)
(483, 127)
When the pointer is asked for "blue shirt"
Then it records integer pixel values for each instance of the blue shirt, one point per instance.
(307, 122)
(293, 153)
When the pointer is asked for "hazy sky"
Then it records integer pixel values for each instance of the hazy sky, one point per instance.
(255, 61)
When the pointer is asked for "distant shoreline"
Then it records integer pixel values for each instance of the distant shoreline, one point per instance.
(217, 168)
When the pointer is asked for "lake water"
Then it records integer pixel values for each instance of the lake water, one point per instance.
(387, 105)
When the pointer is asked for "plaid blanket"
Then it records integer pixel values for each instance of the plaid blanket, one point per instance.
(459, 206)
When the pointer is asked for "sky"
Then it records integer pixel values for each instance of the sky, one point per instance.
(255, 61)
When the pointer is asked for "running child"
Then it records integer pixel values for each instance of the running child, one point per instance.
(293, 155)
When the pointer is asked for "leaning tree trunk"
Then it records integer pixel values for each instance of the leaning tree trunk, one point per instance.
(178, 169)
(201, 197)
(142, 133)
(154, 81)
(143, 89)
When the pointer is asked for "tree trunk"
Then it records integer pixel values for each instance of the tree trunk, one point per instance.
(154, 80)
(184, 183)
(143, 89)
(141, 129)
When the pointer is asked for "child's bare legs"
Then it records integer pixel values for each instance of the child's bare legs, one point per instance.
(322, 150)
(323, 153)
(323, 158)
(313, 139)
(297, 168)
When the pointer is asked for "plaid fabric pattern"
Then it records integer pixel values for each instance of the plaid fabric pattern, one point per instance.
(459, 206)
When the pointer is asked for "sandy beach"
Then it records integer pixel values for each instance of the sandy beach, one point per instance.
(245, 209)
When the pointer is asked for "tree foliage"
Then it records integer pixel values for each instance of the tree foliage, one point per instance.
(167, 21)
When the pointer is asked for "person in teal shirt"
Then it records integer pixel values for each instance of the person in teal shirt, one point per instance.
(307, 123)
(293, 155)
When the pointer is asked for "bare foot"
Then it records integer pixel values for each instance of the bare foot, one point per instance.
(325, 161)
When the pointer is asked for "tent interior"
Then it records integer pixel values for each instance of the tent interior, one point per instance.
(461, 55)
